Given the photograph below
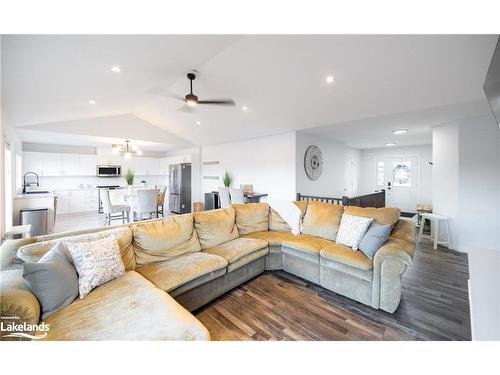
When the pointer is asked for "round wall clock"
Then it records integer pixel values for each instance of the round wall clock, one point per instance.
(313, 162)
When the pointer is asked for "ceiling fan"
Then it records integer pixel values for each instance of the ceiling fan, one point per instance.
(191, 100)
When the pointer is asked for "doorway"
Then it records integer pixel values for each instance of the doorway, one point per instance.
(399, 176)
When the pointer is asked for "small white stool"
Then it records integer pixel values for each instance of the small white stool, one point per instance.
(23, 230)
(435, 220)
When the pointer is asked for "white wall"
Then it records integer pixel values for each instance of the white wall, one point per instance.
(331, 181)
(445, 144)
(479, 161)
(368, 183)
(356, 157)
(268, 163)
(9, 135)
(466, 181)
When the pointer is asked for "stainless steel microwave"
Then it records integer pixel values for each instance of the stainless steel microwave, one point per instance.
(109, 171)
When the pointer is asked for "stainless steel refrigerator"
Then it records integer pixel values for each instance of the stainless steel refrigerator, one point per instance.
(179, 187)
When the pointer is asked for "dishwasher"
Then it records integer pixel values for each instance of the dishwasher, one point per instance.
(37, 217)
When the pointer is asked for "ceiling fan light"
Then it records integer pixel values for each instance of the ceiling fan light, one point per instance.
(191, 103)
(139, 152)
(127, 155)
(134, 147)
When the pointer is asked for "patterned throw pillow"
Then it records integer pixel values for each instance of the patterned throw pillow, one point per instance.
(96, 262)
(352, 229)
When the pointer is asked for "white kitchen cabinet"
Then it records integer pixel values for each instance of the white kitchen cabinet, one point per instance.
(128, 164)
(70, 164)
(75, 201)
(148, 167)
(52, 164)
(109, 159)
(164, 167)
(87, 165)
(91, 200)
(33, 162)
(62, 202)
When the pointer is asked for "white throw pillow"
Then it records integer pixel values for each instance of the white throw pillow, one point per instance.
(352, 229)
(96, 262)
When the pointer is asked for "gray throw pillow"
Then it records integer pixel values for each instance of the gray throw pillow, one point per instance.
(375, 237)
(53, 280)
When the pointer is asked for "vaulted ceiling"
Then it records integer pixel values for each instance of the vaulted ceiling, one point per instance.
(48, 81)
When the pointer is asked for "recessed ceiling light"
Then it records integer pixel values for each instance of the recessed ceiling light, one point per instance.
(92, 102)
(329, 79)
(244, 108)
(116, 69)
(400, 131)
(390, 144)
(198, 122)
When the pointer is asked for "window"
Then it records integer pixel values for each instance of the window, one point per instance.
(401, 173)
(380, 173)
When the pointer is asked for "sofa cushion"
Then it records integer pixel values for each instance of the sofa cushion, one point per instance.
(322, 220)
(352, 229)
(96, 262)
(170, 274)
(53, 280)
(307, 243)
(237, 248)
(165, 239)
(385, 215)
(276, 222)
(215, 227)
(272, 237)
(253, 217)
(33, 252)
(376, 236)
(244, 260)
(346, 255)
(127, 308)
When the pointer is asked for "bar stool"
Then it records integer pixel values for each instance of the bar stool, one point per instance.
(435, 220)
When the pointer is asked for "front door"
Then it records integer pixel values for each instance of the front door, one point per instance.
(399, 176)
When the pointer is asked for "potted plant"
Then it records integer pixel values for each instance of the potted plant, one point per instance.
(129, 178)
(226, 179)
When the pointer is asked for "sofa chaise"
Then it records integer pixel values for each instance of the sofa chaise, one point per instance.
(178, 264)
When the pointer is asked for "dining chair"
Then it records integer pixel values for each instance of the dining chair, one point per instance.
(161, 202)
(224, 199)
(147, 203)
(236, 195)
(110, 209)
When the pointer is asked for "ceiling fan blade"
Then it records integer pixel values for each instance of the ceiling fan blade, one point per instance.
(217, 101)
(158, 91)
(187, 109)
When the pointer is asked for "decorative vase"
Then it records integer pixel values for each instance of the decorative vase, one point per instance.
(129, 190)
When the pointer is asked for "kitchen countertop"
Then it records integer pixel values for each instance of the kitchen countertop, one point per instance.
(76, 189)
(32, 196)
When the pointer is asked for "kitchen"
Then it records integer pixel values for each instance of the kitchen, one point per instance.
(66, 183)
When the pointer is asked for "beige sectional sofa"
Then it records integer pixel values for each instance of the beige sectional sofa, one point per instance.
(180, 263)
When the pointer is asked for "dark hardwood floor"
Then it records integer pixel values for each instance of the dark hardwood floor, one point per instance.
(279, 306)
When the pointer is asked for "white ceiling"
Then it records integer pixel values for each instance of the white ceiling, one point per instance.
(49, 79)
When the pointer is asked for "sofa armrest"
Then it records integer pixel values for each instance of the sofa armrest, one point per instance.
(8, 252)
(17, 303)
(389, 263)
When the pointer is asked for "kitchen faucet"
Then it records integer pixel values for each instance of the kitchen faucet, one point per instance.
(24, 181)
